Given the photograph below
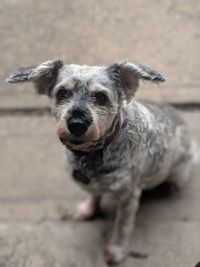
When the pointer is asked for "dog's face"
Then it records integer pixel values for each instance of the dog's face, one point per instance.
(85, 104)
(87, 101)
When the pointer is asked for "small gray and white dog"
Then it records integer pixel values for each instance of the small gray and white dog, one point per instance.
(115, 144)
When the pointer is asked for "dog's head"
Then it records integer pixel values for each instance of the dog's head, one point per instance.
(87, 101)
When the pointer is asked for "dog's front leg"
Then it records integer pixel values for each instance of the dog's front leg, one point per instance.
(88, 209)
(118, 245)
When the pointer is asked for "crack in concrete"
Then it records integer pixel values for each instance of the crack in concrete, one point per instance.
(46, 111)
(34, 111)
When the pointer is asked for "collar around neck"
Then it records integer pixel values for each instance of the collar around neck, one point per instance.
(117, 126)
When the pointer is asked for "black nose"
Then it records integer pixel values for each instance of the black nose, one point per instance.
(77, 126)
(78, 121)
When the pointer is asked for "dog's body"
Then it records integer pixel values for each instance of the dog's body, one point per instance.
(151, 143)
(115, 145)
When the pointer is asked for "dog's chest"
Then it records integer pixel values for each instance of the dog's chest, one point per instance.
(94, 168)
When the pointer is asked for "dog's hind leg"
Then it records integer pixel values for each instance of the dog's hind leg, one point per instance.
(183, 170)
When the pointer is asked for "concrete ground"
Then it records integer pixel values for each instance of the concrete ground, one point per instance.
(37, 197)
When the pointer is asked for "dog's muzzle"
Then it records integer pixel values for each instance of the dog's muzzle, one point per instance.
(78, 123)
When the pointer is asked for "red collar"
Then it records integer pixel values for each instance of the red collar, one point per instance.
(117, 127)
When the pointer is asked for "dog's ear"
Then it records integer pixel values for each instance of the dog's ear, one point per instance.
(43, 76)
(128, 74)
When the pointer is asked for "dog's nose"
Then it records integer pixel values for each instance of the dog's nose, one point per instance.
(78, 121)
(77, 126)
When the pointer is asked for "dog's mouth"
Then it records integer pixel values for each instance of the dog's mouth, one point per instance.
(65, 141)
(83, 142)
(76, 144)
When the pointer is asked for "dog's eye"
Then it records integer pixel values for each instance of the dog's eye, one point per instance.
(63, 94)
(100, 98)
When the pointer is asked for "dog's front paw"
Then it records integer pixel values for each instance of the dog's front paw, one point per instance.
(86, 210)
(114, 253)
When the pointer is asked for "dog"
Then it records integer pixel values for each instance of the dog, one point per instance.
(115, 144)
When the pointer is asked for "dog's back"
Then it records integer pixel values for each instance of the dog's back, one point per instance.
(168, 152)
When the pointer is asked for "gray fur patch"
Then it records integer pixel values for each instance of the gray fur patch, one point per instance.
(21, 75)
(126, 76)
(44, 76)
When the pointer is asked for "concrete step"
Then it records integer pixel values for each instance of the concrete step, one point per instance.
(49, 244)
(24, 96)
(164, 36)
(36, 192)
